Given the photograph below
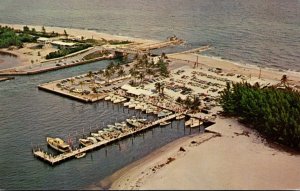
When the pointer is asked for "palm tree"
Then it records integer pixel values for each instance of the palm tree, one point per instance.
(133, 73)
(81, 84)
(121, 72)
(43, 30)
(107, 74)
(158, 86)
(141, 76)
(284, 80)
(66, 34)
(72, 81)
(90, 75)
(150, 72)
(110, 66)
(136, 56)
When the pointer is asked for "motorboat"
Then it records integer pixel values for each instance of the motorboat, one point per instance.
(85, 142)
(164, 123)
(92, 139)
(58, 144)
(180, 117)
(80, 155)
(133, 122)
(132, 105)
(107, 98)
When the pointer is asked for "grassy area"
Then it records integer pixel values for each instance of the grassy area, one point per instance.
(9, 37)
(66, 51)
(118, 42)
(273, 112)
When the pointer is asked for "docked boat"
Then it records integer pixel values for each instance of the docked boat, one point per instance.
(58, 144)
(92, 139)
(107, 98)
(132, 105)
(196, 124)
(133, 122)
(80, 155)
(180, 117)
(117, 100)
(164, 123)
(85, 142)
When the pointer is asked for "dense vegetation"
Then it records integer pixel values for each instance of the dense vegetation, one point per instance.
(118, 42)
(66, 51)
(273, 112)
(41, 33)
(8, 37)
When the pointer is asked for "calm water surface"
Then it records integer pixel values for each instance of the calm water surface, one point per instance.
(261, 32)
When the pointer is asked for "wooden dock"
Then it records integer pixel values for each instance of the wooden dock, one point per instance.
(65, 156)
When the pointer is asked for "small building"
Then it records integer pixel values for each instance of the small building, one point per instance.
(60, 44)
(43, 40)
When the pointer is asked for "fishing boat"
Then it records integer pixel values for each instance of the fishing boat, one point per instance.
(58, 144)
(164, 123)
(80, 155)
(85, 142)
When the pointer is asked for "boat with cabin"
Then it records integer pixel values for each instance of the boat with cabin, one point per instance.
(58, 144)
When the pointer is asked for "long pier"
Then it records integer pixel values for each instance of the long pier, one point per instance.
(65, 156)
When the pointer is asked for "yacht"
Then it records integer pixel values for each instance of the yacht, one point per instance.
(58, 144)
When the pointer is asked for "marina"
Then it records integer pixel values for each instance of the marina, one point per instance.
(69, 155)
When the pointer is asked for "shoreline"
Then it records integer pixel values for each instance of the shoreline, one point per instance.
(269, 168)
(229, 65)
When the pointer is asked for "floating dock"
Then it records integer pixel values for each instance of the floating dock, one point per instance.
(53, 160)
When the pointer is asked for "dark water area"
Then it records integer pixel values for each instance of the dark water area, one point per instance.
(260, 32)
(8, 60)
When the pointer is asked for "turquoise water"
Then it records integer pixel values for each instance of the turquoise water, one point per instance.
(261, 32)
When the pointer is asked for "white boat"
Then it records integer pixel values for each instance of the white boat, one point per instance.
(149, 110)
(58, 144)
(123, 124)
(123, 99)
(107, 98)
(126, 104)
(132, 105)
(111, 126)
(113, 98)
(164, 123)
(138, 106)
(196, 123)
(180, 117)
(92, 139)
(141, 120)
(85, 142)
(80, 155)
(95, 135)
(133, 122)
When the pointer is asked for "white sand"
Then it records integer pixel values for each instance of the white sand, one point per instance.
(231, 161)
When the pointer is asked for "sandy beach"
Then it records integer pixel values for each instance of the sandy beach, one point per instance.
(238, 158)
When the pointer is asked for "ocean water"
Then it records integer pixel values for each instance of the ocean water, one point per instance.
(260, 32)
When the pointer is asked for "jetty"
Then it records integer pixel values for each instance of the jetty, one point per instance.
(53, 160)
